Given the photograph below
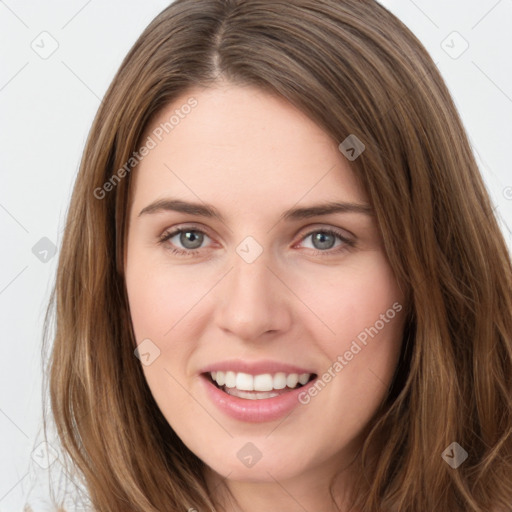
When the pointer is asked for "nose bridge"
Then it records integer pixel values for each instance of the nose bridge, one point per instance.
(252, 301)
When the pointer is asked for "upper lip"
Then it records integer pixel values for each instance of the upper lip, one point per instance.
(254, 367)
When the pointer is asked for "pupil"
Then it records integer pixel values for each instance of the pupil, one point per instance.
(325, 240)
(191, 239)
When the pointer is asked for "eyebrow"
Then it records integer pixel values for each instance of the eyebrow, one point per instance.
(209, 211)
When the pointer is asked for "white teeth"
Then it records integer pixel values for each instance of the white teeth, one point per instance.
(230, 379)
(292, 380)
(263, 382)
(279, 380)
(250, 396)
(303, 378)
(220, 378)
(244, 382)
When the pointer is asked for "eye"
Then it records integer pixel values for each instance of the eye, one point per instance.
(323, 240)
(190, 239)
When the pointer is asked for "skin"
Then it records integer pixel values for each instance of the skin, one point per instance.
(252, 156)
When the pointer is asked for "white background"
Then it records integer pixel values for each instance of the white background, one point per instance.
(47, 106)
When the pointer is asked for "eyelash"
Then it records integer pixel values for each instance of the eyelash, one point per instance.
(348, 244)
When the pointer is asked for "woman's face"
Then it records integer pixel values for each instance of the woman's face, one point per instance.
(268, 286)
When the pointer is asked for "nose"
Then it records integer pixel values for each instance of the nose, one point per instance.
(252, 301)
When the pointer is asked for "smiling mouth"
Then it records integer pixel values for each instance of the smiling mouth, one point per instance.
(258, 387)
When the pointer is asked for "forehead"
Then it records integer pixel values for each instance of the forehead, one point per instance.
(244, 146)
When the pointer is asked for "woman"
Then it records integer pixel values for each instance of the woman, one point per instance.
(282, 284)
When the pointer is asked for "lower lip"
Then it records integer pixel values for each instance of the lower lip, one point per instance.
(255, 411)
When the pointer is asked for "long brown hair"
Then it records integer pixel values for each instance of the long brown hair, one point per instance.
(353, 68)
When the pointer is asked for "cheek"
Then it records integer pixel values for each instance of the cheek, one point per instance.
(351, 299)
(161, 301)
(364, 310)
(161, 297)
